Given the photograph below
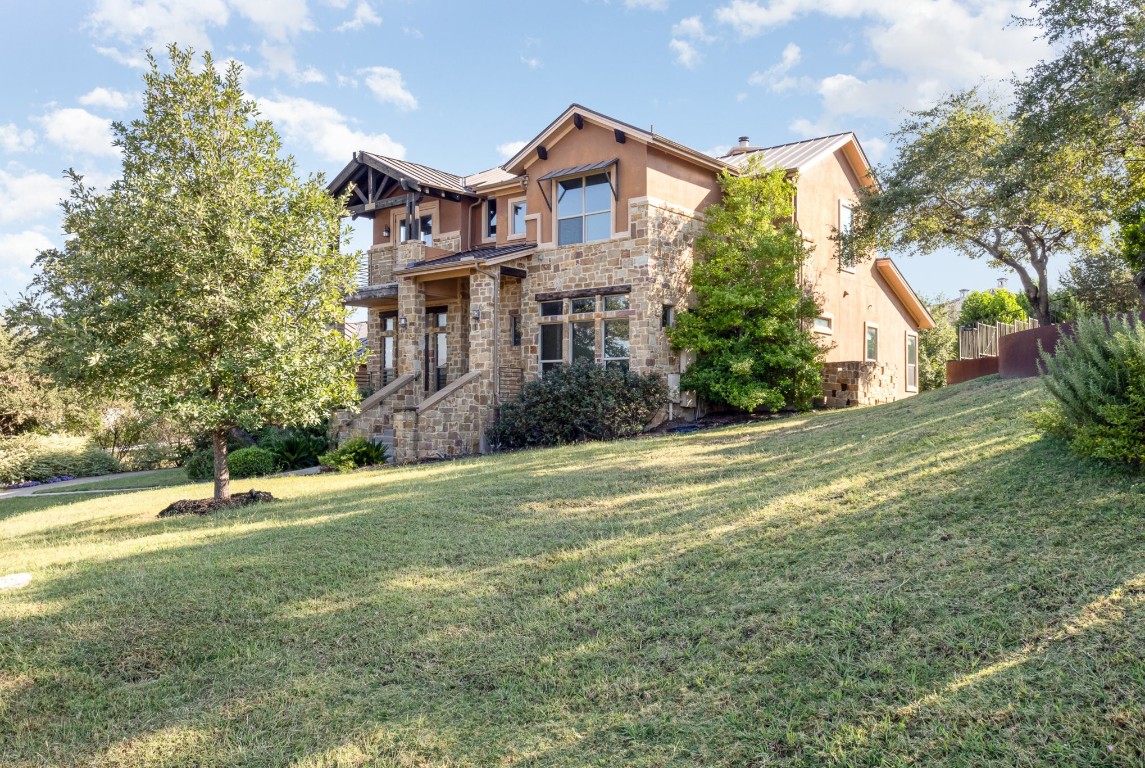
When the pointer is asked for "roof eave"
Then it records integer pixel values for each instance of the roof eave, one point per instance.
(910, 300)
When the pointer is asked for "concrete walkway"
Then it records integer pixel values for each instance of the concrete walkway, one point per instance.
(82, 481)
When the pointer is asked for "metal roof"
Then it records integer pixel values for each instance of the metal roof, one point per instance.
(477, 254)
(793, 156)
(490, 177)
(420, 174)
(579, 169)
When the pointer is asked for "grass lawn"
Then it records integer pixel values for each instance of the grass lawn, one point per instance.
(924, 583)
(161, 479)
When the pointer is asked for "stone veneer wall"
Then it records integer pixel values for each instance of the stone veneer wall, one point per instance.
(370, 422)
(452, 426)
(855, 382)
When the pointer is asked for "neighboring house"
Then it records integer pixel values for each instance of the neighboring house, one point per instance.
(580, 248)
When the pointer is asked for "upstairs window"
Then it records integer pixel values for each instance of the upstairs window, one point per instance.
(872, 345)
(584, 209)
(490, 219)
(517, 213)
(424, 230)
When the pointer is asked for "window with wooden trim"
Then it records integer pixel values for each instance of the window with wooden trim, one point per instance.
(584, 209)
(585, 323)
(423, 230)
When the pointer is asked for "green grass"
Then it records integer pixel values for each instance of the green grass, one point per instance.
(161, 479)
(924, 583)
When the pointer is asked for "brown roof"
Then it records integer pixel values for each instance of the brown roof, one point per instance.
(476, 255)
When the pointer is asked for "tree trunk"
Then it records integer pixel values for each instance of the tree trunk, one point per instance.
(222, 472)
(1139, 281)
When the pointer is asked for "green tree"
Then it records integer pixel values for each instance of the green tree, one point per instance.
(966, 179)
(1131, 244)
(989, 307)
(935, 346)
(1102, 283)
(750, 327)
(206, 283)
(29, 401)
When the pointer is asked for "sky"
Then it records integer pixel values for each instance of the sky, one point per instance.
(461, 86)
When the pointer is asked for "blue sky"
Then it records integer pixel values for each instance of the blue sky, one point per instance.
(460, 85)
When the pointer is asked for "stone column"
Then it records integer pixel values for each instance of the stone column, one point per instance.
(483, 341)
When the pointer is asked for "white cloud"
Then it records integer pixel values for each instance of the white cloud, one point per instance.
(413, 32)
(686, 53)
(78, 130)
(718, 151)
(155, 23)
(363, 14)
(691, 27)
(133, 60)
(386, 84)
(17, 251)
(279, 60)
(775, 78)
(510, 148)
(30, 196)
(14, 139)
(105, 98)
(324, 129)
(647, 5)
(875, 149)
(532, 62)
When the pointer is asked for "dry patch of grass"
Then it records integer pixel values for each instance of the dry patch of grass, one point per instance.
(925, 583)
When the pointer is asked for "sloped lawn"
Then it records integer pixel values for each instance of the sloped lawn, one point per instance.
(925, 583)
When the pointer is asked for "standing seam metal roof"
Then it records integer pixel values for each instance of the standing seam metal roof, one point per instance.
(791, 156)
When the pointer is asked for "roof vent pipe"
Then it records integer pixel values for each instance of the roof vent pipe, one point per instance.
(744, 141)
(1001, 282)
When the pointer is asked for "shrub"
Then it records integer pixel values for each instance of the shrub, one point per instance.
(200, 466)
(39, 457)
(251, 462)
(989, 307)
(1097, 380)
(355, 452)
(579, 402)
(294, 449)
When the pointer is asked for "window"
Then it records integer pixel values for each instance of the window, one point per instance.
(911, 362)
(552, 346)
(491, 219)
(517, 213)
(583, 338)
(388, 326)
(667, 316)
(616, 302)
(584, 209)
(616, 344)
(552, 308)
(436, 352)
(583, 305)
(823, 324)
(424, 230)
(515, 330)
(872, 346)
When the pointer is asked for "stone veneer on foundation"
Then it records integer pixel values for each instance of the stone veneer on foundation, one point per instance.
(859, 383)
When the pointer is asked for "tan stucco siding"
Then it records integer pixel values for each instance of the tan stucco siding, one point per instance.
(680, 183)
(851, 299)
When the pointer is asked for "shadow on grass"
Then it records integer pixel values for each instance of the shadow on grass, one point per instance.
(891, 589)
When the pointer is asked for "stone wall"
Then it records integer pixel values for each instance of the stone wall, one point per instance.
(450, 424)
(381, 260)
(375, 416)
(859, 383)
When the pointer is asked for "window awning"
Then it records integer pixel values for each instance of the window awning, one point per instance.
(580, 169)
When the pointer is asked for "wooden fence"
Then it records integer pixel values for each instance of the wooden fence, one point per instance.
(981, 340)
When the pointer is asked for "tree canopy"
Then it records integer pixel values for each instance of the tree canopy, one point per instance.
(996, 306)
(749, 329)
(206, 283)
(967, 179)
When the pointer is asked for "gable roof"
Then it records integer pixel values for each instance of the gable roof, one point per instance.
(515, 164)
(797, 155)
(901, 288)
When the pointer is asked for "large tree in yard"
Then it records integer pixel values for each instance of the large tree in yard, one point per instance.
(966, 179)
(750, 326)
(206, 283)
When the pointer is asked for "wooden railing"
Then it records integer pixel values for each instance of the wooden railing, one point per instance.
(981, 340)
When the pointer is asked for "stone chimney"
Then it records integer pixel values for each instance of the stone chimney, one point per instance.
(1002, 282)
(744, 142)
(963, 293)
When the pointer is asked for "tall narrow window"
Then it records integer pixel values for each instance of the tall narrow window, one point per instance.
(388, 325)
(552, 346)
(436, 349)
(872, 346)
(584, 209)
(515, 330)
(616, 344)
(517, 213)
(911, 361)
(491, 219)
(584, 342)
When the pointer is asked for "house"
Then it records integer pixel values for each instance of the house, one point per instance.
(580, 248)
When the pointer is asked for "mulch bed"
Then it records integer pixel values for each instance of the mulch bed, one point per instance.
(207, 506)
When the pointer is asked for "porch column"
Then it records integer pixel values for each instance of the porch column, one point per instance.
(411, 359)
(483, 340)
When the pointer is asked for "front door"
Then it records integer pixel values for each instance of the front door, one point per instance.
(436, 349)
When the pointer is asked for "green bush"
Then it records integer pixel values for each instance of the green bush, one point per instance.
(579, 402)
(41, 457)
(355, 452)
(295, 449)
(989, 307)
(1097, 380)
(200, 466)
(251, 462)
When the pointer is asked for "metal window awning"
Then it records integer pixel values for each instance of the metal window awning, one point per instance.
(580, 170)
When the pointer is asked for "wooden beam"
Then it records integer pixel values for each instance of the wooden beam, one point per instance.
(584, 293)
(514, 272)
(388, 202)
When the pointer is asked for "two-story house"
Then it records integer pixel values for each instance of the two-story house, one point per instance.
(580, 248)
